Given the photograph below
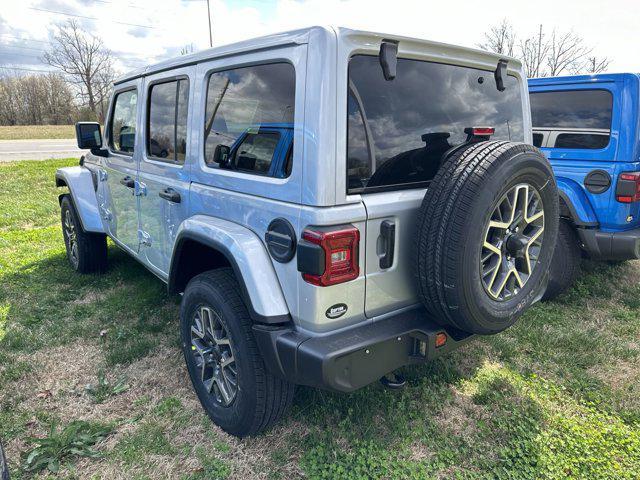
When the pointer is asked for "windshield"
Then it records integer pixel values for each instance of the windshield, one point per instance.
(398, 130)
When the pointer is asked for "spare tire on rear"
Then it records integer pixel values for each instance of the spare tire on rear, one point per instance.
(486, 233)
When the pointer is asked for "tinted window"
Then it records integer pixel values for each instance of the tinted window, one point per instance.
(123, 122)
(255, 152)
(537, 139)
(167, 138)
(246, 99)
(581, 140)
(411, 121)
(572, 109)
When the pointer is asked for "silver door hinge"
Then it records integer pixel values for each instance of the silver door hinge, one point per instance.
(144, 238)
(105, 213)
(140, 189)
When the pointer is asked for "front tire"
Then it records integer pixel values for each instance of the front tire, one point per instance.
(86, 251)
(565, 266)
(222, 357)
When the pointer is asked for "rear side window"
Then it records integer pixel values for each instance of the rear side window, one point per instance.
(537, 139)
(582, 116)
(589, 141)
(255, 152)
(122, 137)
(397, 131)
(167, 121)
(574, 109)
(250, 109)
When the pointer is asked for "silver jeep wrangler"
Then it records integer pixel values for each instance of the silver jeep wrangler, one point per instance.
(331, 204)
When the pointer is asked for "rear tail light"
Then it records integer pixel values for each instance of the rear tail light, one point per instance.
(482, 131)
(628, 187)
(336, 259)
(479, 134)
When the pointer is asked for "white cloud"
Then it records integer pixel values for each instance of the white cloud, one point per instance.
(611, 28)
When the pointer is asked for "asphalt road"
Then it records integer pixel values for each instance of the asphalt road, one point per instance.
(11, 150)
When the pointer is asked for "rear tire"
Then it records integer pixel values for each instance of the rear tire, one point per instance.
(86, 251)
(565, 266)
(456, 219)
(259, 399)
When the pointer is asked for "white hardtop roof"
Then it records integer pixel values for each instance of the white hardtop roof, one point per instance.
(298, 37)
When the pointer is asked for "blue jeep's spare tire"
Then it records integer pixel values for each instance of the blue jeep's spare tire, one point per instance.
(486, 233)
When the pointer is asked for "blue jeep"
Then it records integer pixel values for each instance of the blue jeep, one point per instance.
(588, 126)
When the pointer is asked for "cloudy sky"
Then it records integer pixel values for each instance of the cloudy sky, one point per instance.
(145, 31)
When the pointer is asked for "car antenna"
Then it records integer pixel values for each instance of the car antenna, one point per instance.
(500, 73)
(388, 58)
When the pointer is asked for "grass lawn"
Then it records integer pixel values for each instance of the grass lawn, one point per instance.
(28, 132)
(92, 383)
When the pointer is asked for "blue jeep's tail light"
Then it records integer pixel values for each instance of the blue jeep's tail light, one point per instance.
(338, 255)
(628, 187)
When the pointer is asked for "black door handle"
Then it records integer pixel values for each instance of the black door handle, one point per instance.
(170, 194)
(388, 234)
(128, 182)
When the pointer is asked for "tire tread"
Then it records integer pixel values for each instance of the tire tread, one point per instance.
(274, 395)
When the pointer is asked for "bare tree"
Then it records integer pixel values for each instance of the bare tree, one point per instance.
(36, 100)
(187, 49)
(596, 65)
(500, 39)
(87, 64)
(544, 55)
(566, 53)
(533, 51)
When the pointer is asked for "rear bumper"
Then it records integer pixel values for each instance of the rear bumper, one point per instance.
(350, 359)
(611, 245)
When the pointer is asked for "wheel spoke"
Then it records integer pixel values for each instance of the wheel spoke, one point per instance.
(534, 217)
(213, 355)
(491, 247)
(512, 243)
(224, 389)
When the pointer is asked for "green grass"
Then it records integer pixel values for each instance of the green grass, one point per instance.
(556, 396)
(28, 132)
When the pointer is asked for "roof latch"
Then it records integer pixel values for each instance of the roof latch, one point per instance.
(388, 58)
(500, 73)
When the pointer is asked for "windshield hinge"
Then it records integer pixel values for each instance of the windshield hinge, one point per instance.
(388, 57)
(500, 73)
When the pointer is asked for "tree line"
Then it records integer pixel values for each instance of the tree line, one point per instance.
(80, 88)
(544, 53)
(39, 100)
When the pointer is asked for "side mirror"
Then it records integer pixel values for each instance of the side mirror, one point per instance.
(222, 155)
(88, 135)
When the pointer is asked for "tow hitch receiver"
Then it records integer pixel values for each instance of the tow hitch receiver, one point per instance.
(393, 381)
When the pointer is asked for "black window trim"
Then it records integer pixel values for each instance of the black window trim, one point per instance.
(110, 145)
(591, 133)
(405, 186)
(147, 138)
(228, 68)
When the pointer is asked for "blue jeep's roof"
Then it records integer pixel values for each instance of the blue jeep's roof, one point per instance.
(575, 79)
